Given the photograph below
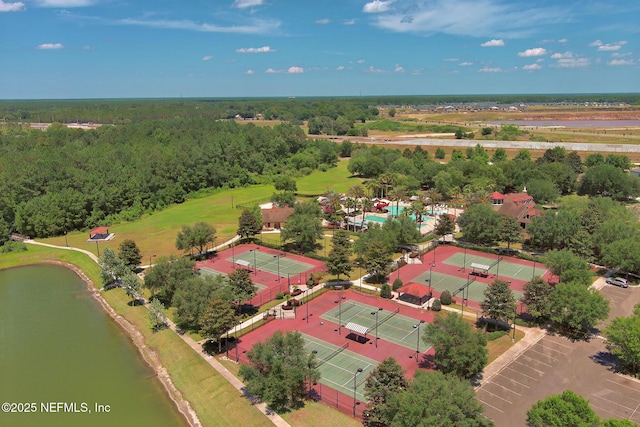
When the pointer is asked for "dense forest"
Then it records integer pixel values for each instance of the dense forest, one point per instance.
(66, 179)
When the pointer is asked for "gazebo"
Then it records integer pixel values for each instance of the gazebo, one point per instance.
(415, 293)
(99, 233)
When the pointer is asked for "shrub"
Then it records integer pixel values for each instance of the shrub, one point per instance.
(436, 305)
(397, 284)
(12, 246)
(279, 295)
(445, 298)
(490, 336)
(385, 291)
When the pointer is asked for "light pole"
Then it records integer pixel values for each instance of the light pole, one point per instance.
(255, 269)
(355, 385)
(66, 243)
(150, 258)
(342, 298)
(534, 269)
(278, 258)
(233, 253)
(360, 274)
(306, 293)
(97, 248)
(435, 246)
(376, 314)
(464, 266)
(418, 339)
(515, 314)
(430, 278)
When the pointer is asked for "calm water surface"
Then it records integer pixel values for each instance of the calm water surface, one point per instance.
(58, 345)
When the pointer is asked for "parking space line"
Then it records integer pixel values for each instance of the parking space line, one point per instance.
(626, 386)
(530, 367)
(634, 411)
(506, 388)
(488, 404)
(557, 343)
(518, 372)
(536, 360)
(554, 359)
(604, 409)
(612, 401)
(513, 381)
(495, 395)
(550, 349)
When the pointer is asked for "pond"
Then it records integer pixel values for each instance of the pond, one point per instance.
(67, 362)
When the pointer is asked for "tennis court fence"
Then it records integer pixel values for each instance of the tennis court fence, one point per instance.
(340, 401)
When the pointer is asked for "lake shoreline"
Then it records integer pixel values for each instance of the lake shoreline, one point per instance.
(137, 338)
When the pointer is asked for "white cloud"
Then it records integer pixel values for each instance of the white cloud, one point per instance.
(595, 43)
(255, 26)
(87, 47)
(375, 70)
(263, 49)
(249, 72)
(573, 62)
(451, 59)
(493, 43)
(563, 41)
(612, 46)
(398, 69)
(349, 22)
(243, 4)
(476, 18)
(490, 70)
(17, 6)
(295, 70)
(619, 62)
(323, 21)
(536, 51)
(340, 67)
(417, 72)
(531, 67)
(207, 58)
(377, 6)
(272, 71)
(465, 64)
(361, 61)
(49, 46)
(65, 3)
(559, 55)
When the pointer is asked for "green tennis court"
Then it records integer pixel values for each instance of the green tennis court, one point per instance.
(338, 365)
(442, 282)
(211, 272)
(505, 268)
(274, 264)
(392, 326)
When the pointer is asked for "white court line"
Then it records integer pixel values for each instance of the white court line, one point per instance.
(523, 374)
(622, 385)
(530, 367)
(634, 411)
(537, 361)
(501, 398)
(518, 272)
(488, 404)
(506, 388)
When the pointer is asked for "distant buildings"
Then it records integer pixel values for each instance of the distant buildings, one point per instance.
(516, 205)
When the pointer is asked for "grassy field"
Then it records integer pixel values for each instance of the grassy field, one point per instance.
(156, 234)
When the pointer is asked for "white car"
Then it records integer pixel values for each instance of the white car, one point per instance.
(618, 281)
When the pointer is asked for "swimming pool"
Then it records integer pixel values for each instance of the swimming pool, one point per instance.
(383, 220)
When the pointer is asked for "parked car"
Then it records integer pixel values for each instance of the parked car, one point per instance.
(618, 281)
(408, 248)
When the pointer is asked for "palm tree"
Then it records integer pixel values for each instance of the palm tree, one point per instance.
(387, 180)
(418, 210)
(396, 194)
(356, 192)
(350, 203)
(434, 197)
(366, 205)
(374, 186)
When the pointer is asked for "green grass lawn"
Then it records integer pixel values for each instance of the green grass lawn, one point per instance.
(155, 234)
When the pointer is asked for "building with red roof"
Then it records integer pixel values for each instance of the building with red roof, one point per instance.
(516, 205)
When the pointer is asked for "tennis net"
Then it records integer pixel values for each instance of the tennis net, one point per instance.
(333, 354)
(393, 313)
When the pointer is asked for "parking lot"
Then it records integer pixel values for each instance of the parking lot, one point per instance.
(554, 364)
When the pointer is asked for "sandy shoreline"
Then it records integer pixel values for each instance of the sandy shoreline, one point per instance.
(149, 356)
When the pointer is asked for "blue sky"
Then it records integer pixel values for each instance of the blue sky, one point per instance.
(255, 48)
